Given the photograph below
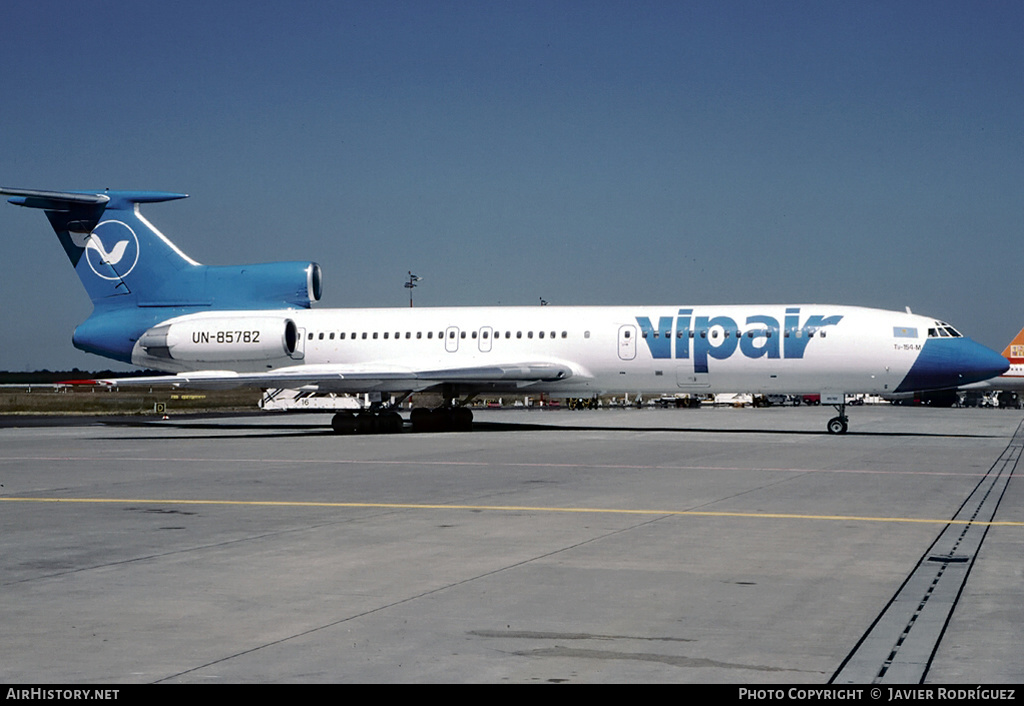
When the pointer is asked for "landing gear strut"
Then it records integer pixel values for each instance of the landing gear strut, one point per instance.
(839, 425)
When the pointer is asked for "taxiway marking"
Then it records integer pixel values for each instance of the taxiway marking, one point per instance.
(505, 508)
(478, 464)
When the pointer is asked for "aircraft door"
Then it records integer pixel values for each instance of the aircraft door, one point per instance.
(451, 339)
(484, 339)
(627, 342)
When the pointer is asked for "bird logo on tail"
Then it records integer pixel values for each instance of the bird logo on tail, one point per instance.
(108, 263)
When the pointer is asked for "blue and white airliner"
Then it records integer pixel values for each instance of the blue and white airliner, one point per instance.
(254, 325)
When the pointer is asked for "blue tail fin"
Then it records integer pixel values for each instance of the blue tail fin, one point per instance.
(137, 278)
(115, 251)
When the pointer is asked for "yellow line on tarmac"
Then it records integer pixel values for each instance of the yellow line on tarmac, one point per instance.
(505, 508)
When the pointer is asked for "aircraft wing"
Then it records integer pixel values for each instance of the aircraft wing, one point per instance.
(348, 378)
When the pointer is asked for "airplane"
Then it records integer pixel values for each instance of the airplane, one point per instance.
(210, 326)
(1013, 378)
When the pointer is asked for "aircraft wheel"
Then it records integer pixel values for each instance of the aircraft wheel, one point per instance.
(837, 425)
(422, 419)
(368, 423)
(344, 423)
(462, 419)
(391, 422)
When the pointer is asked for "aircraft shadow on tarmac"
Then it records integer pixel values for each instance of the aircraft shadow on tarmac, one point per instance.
(266, 431)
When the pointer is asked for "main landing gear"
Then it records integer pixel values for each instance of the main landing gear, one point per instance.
(423, 419)
(384, 419)
(450, 416)
(442, 419)
(369, 422)
(839, 425)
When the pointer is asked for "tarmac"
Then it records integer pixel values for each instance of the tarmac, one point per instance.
(734, 546)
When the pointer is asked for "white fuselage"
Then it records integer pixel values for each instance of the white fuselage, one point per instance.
(796, 349)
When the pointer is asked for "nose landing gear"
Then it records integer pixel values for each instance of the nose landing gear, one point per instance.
(839, 425)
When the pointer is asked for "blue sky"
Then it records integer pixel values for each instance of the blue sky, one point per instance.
(860, 152)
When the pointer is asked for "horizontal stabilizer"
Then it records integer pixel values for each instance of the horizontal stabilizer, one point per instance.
(66, 200)
(52, 200)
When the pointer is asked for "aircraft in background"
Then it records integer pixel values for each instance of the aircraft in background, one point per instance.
(1013, 378)
(254, 325)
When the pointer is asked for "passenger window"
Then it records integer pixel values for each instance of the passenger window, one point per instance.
(321, 337)
(375, 335)
(540, 334)
(331, 336)
(385, 335)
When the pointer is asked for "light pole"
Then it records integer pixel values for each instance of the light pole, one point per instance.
(413, 279)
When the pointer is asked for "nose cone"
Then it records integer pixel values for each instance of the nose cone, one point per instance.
(951, 362)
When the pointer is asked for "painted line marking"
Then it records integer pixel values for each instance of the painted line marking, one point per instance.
(506, 508)
(479, 464)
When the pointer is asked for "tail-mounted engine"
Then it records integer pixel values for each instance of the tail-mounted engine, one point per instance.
(264, 286)
(227, 337)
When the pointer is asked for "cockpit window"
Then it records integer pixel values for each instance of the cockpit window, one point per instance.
(943, 330)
